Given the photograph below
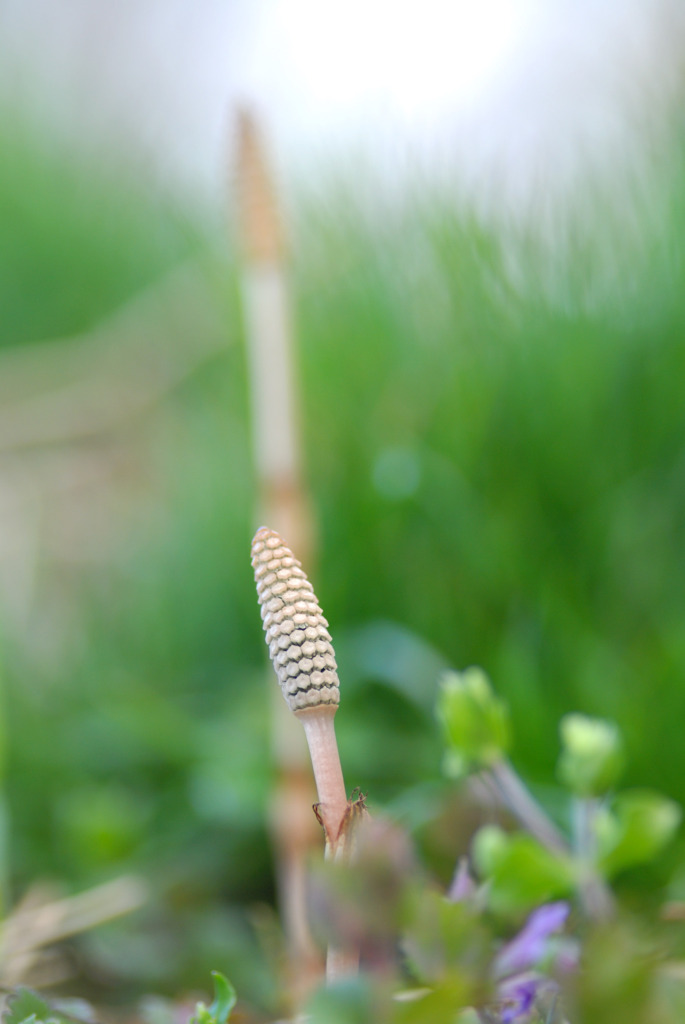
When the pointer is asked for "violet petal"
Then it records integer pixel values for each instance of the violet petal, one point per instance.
(526, 948)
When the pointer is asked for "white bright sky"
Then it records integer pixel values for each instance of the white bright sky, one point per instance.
(512, 90)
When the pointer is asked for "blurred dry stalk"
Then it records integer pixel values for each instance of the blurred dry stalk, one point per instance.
(41, 920)
(74, 432)
(65, 390)
(268, 327)
(284, 504)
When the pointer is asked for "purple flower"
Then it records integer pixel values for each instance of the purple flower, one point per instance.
(530, 945)
(517, 965)
(518, 998)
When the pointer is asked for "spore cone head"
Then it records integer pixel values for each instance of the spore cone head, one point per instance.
(296, 631)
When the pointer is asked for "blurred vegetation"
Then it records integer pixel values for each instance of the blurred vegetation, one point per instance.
(498, 469)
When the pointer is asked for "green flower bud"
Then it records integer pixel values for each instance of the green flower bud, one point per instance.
(491, 846)
(591, 759)
(475, 721)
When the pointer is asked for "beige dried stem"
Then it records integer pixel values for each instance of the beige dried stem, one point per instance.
(269, 335)
(38, 923)
(303, 657)
(282, 501)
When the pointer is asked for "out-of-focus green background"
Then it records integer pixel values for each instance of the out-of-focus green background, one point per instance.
(494, 430)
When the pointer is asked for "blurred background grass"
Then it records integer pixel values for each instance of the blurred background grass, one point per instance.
(494, 430)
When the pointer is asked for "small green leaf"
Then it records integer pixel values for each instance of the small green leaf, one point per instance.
(225, 998)
(26, 1005)
(220, 1009)
(444, 1002)
(634, 829)
(347, 1001)
(443, 941)
(591, 759)
(521, 873)
(475, 721)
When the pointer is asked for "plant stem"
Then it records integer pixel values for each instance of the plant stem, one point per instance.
(333, 805)
(323, 748)
(596, 899)
(518, 799)
(302, 654)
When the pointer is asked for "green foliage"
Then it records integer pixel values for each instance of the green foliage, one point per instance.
(497, 473)
(521, 873)
(346, 1002)
(622, 978)
(634, 829)
(76, 242)
(219, 1011)
(447, 953)
(24, 1006)
(605, 967)
(445, 943)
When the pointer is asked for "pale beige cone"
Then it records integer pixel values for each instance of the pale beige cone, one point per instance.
(296, 630)
(303, 657)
